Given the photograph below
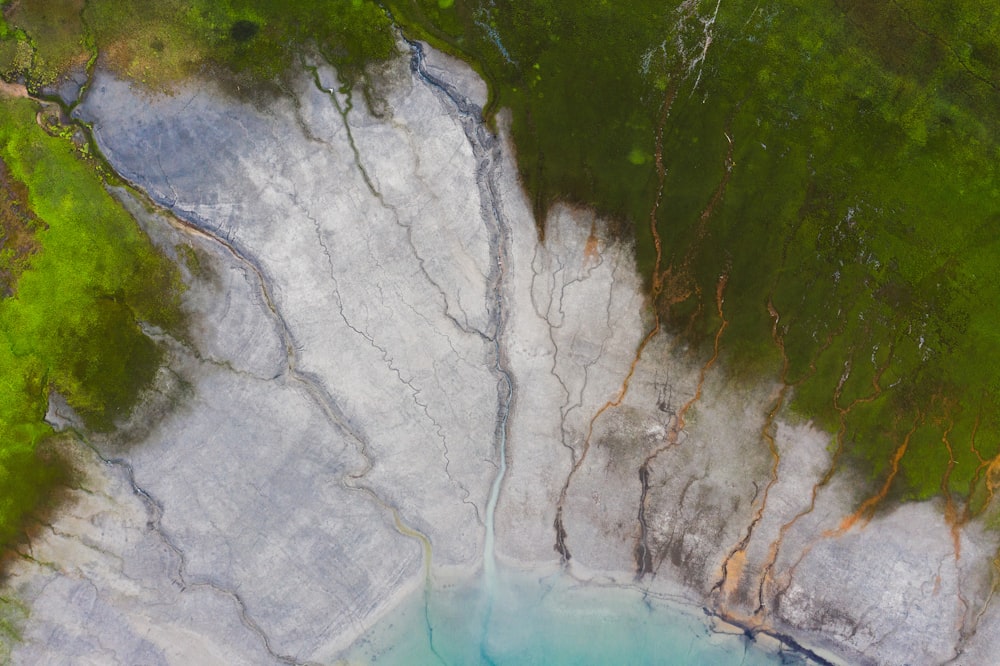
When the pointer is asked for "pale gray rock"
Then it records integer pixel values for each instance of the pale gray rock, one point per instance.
(60, 415)
(103, 586)
(353, 250)
(365, 292)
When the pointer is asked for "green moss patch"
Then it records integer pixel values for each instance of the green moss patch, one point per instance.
(838, 159)
(72, 321)
(247, 43)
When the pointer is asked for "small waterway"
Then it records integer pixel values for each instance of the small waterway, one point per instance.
(506, 616)
(486, 150)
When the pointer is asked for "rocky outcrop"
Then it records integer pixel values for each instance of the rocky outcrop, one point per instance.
(374, 321)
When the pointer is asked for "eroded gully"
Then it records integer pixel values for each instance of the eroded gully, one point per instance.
(486, 149)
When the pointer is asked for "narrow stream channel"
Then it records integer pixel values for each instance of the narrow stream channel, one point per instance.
(486, 149)
(508, 616)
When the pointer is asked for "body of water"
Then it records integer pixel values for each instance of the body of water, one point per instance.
(527, 619)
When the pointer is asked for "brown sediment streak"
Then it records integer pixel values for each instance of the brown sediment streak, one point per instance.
(678, 426)
(656, 288)
(677, 282)
(560, 546)
(865, 512)
(677, 291)
(843, 412)
(951, 516)
(955, 520)
(992, 477)
(721, 189)
(591, 250)
(987, 466)
(867, 508)
(661, 176)
(618, 399)
(967, 511)
(643, 554)
(727, 584)
(991, 469)
(732, 566)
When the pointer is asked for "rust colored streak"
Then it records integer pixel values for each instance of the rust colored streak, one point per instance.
(645, 557)
(951, 515)
(843, 413)
(975, 431)
(677, 291)
(618, 399)
(721, 189)
(561, 546)
(591, 251)
(727, 584)
(985, 466)
(679, 423)
(867, 508)
(864, 512)
(657, 287)
(732, 566)
(992, 477)
(676, 282)
(674, 433)
(661, 177)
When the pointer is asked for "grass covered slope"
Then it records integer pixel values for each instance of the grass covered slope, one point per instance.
(77, 275)
(837, 161)
(834, 160)
(70, 318)
(244, 42)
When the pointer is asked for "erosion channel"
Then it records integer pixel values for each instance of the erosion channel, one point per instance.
(395, 401)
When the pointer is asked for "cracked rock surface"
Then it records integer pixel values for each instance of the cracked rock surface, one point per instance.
(366, 290)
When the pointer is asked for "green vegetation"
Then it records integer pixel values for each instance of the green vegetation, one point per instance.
(76, 274)
(837, 160)
(70, 319)
(246, 43)
(48, 39)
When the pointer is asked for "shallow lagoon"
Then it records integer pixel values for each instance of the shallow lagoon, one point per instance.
(553, 619)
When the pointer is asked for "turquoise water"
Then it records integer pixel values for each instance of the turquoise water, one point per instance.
(551, 620)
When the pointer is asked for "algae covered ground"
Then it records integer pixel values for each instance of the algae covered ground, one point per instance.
(78, 278)
(822, 176)
(241, 42)
(826, 172)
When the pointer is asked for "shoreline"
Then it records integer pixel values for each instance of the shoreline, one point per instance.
(334, 374)
(391, 631)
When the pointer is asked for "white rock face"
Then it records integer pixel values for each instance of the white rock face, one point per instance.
(328, 436)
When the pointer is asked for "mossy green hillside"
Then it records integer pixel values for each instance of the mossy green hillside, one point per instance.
(244, 42)
(73, 322)
(837, 160)
(583, 112)
(48, 37)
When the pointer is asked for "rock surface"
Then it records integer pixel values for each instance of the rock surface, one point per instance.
(373, 321)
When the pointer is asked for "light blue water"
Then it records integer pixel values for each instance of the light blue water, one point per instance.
(552, 621)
